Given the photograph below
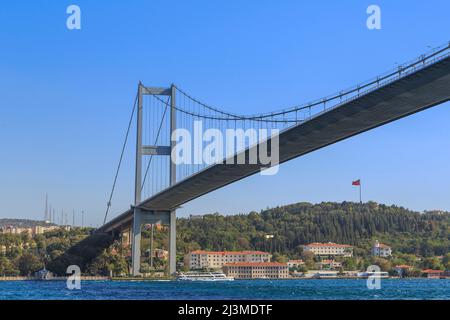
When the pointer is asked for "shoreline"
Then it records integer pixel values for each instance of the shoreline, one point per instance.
(83, 278)
(137, 279)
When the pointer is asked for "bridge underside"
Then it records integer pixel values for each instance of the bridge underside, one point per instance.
(416, 92)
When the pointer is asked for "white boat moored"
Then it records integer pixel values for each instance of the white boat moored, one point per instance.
(203, 276)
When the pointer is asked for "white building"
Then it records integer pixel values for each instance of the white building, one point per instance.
(329, 249)
(200, 259)
(256, 270)
(329, 264)
(381, 250)
(295, 264)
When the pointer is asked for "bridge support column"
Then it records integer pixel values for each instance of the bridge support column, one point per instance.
(142, 217)
(136, 243)
(172, 243)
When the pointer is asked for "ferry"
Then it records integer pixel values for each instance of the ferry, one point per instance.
(203, 276)
(373, 274)
(321, 274)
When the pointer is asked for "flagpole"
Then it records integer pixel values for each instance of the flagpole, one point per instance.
(360, 198)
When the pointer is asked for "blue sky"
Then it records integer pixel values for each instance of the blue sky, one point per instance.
(65, 96)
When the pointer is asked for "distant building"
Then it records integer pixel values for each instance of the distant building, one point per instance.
(32, 231)
(328, 264)
(40, 229)
(329, 249)
(200, 259)
(294, 264)
(15, 230)
(433, 274)
(381, 250)
(43, 274)
(256, 270)
(402, 268)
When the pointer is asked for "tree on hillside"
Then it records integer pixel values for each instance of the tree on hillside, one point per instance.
(29, 263)
(308, 259)
(432, 263)
(446, 261)
(408, 232)
(385, 265)
(7, 268)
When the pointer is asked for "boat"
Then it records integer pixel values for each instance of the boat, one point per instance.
(325, 275)
(373, 274)
(203, 276)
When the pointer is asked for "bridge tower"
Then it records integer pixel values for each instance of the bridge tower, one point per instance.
(142, 215)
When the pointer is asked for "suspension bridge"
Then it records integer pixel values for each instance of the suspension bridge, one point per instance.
(162, 185)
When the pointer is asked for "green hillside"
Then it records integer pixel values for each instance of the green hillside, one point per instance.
(408, 232)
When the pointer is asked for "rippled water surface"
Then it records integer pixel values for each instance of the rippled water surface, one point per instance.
(255, 289)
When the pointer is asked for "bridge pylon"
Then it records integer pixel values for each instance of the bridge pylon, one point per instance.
(142, 215)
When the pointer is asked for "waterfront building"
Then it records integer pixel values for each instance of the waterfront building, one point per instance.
(297, 274)
(381, 250)
(401, 269)
(256, 270)
(201, 259)
(329, 249)
(294, 264)
(433, 274)
(43, 274)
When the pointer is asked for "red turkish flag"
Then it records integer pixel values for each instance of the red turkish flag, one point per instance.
(356, 183)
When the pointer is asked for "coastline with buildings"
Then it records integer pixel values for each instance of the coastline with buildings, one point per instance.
(248, 265)
(29, 246)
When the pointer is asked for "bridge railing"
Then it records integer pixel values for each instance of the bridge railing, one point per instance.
(400, 72)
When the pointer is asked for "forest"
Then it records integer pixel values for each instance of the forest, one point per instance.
(423, 234)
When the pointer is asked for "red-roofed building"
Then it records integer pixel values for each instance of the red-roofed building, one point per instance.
(256, 270)
(201, 259)
(402, 268)
(381, 250)
(329, 249)
(433, 274)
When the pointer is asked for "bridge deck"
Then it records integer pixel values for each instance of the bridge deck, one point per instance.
(415, 92)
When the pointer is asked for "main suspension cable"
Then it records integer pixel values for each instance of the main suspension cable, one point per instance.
(108, 205)
(352, 92)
